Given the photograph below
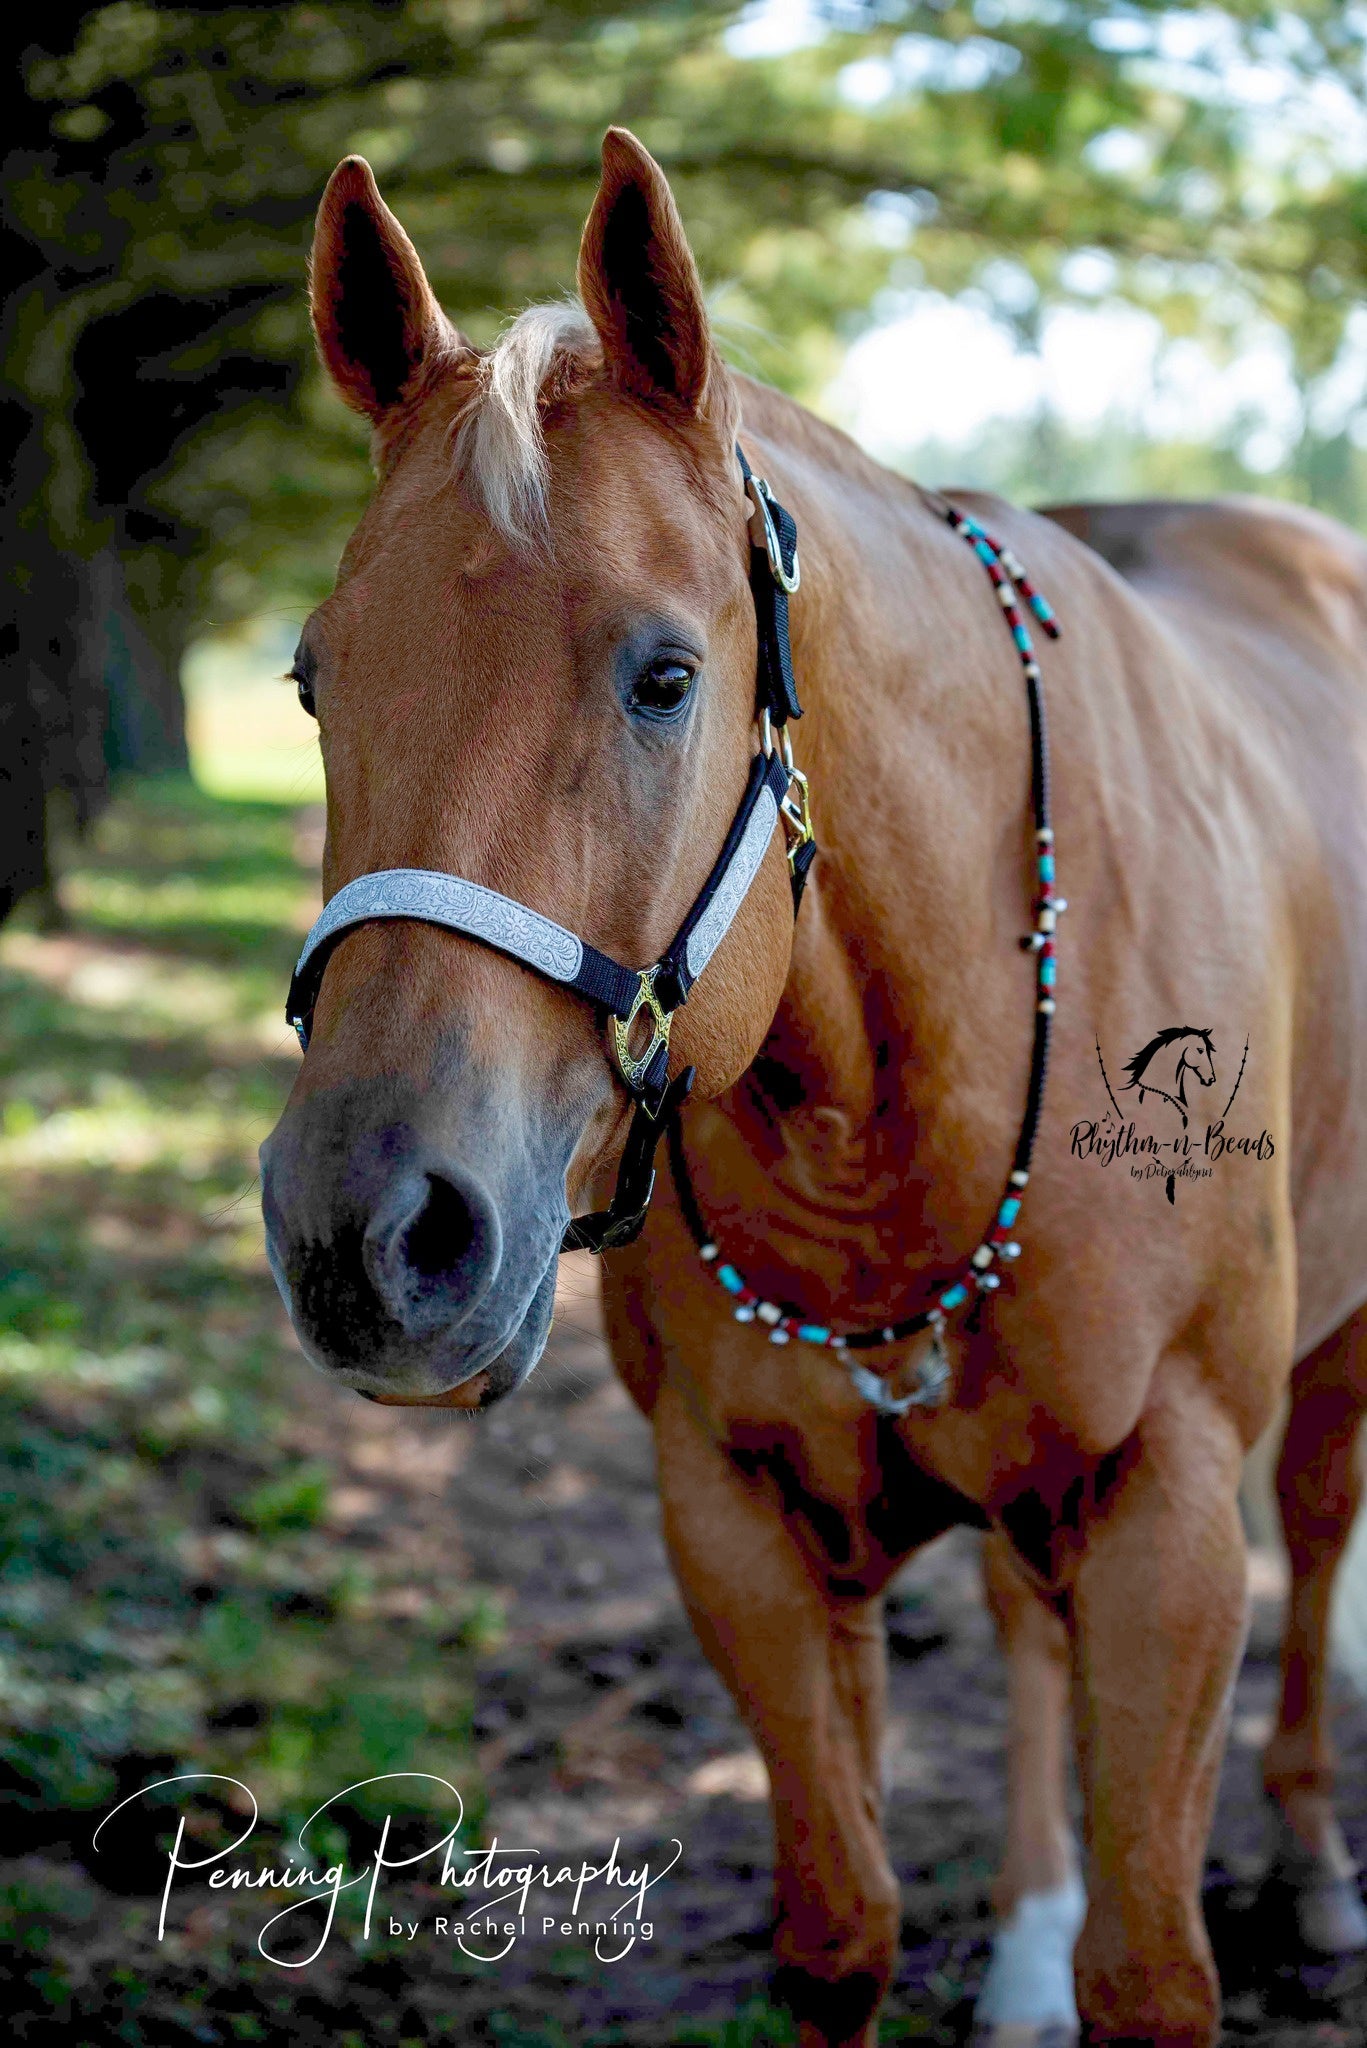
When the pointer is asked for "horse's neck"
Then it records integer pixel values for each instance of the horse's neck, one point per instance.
(897, 1035)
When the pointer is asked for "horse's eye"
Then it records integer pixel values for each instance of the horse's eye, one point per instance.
(663, 687)
(305, 688)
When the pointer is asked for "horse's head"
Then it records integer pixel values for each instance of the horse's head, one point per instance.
(1163, 1066)
(1198, 1057)
(537, 672)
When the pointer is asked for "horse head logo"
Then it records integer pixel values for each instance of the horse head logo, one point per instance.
(1174, 1058)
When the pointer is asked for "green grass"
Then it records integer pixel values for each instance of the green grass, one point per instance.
(173, 1595)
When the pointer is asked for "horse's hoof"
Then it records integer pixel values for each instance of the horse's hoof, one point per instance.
(1026, 2000)
(1328, 1915)
(1317, 1892)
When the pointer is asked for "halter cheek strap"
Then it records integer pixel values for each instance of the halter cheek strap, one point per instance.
(775, 790)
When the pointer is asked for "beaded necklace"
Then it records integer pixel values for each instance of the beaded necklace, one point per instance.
(979, 1276)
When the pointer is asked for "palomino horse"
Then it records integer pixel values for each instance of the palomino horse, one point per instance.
(537, 674)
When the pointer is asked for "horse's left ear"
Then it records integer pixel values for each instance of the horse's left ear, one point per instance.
(639, 282)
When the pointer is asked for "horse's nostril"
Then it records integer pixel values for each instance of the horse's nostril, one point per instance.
(432, 1249)
(441, 1234)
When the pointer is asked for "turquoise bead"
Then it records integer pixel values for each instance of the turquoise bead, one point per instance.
(1046, 867)
(954, 1296)
(1009, 1210)
(1048, 973)
(730, 1279)
(812, 1333)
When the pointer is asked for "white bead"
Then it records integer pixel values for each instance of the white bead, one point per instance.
(1046, 920)
(1011, 1251)
(1046, 1008)
(707, 1251)
(987, 1281)
(745, 1314)
(778, 1336)
(1019, 1178)
(768, 1313)
(1060, 905)
(837, 1343)
(888, 1337)
(983, 1256)
(1045, 835)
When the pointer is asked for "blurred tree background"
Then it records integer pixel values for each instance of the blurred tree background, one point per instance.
(172, 460)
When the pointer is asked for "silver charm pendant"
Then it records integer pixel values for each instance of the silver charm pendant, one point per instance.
(932, 1375)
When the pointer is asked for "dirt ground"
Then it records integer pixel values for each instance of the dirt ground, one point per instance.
(598, 1717)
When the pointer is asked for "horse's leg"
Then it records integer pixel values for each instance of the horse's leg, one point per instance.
(1027, 1997)
(1158, 1604)
(809, 1674)
(1319, 1484)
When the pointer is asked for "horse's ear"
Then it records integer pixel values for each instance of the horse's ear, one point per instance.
(639, 282)
(377, 322)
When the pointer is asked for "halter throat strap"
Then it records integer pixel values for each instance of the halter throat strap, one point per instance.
(775, 791)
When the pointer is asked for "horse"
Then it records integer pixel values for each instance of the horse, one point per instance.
(537, 673)
(1194, 1055)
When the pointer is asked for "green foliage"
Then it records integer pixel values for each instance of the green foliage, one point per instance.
(756, 2025)
(296, 1500)
(163, 179)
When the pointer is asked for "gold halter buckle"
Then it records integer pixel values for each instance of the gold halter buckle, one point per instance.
(796, 808)
(634, 1071)
(796, 813)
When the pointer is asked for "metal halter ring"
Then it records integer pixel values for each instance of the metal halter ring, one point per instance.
(634, 1071)
(760, 494)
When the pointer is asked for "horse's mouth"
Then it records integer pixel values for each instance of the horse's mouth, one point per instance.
(421, 1377)
(468, 1395)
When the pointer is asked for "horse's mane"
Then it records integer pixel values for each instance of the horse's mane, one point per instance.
(500, 447)
(1137, 1067)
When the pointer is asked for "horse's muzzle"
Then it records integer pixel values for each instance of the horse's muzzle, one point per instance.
(406, 1274)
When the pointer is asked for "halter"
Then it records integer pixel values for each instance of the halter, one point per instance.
(775, 791)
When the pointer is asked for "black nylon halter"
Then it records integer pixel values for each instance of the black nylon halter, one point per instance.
(562, 957)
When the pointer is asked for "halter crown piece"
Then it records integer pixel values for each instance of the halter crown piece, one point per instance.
(775, 792)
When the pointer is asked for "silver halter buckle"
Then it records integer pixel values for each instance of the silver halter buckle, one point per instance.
(760, 494)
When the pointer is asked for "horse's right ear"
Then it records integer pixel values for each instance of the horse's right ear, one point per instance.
(377, 322)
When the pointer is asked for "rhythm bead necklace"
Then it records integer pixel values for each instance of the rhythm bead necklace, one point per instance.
(979, 1277)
